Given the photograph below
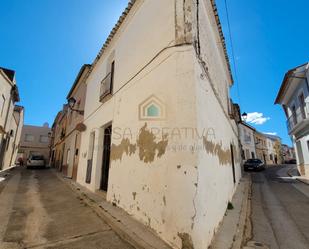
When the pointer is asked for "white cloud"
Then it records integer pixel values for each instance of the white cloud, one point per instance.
(256, 118)
(271, 133)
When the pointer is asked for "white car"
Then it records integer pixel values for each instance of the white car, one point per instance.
(36, 161)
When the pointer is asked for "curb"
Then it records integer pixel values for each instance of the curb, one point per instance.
(235, 230)
(127, 228)
(244, 232)
(8, 169)
(298, 179)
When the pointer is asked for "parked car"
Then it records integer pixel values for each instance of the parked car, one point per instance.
(36, 161)
(291, 161)
(254, 164)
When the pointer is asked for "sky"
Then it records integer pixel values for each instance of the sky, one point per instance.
(46, 42)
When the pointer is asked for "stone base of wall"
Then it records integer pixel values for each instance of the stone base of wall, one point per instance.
(303, 170)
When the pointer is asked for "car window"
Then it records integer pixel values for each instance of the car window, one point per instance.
(37, 158)
(254, 161)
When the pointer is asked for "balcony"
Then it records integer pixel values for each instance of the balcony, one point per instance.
(298, 120)
(106, 86)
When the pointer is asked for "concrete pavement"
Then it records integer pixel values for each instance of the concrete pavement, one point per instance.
(280, 207)
(39, 211)
(232, 232)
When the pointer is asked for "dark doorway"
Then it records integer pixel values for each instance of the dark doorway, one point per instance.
(106, 157)
(233, 164)
(2, 151)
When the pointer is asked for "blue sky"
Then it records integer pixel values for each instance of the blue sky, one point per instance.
(47, 41)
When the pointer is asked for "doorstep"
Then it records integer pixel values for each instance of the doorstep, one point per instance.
(128, 228)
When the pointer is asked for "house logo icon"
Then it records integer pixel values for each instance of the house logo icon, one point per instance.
(152, 108)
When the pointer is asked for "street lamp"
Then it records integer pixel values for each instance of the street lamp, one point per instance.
(244, 116)
(71, 103)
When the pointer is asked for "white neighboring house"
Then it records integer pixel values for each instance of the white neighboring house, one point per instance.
(35, 140)
(8, 97)
(246, 135)
(274, 151)
(288, 153)
(294, 98)
(271, 153)
(161, 139)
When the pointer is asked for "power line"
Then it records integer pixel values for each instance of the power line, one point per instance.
(232, 51)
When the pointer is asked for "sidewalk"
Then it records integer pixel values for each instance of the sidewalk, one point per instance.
(129, 229)
(235, 228)
(293, 172)
(8, 169)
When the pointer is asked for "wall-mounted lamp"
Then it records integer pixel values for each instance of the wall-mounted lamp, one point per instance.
(71, 103)
(244, 116)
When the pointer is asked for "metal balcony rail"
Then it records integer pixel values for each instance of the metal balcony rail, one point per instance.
(296, 118)
(105, 88)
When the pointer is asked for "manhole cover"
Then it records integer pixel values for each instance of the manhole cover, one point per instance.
(258, 244)
(255, 245)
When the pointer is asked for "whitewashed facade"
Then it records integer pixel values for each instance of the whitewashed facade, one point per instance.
(160, 140)
(246, 136)
(294, 98)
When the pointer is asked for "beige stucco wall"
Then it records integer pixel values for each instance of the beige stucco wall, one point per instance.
(7, 121)
(20, 118)
(15, 124)
(303, 165)
(5, 90)
(73, 137)
(183, 190)
(36, 146)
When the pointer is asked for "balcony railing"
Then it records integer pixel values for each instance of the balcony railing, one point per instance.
(106, 86)
(298, 117)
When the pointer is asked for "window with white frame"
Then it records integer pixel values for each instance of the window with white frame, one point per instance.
(29, 138)
(44, 139)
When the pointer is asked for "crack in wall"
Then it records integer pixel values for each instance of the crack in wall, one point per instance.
(195, 195)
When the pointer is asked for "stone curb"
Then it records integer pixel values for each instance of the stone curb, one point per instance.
(235, 229)
(8, 169)
(127, 228)
(298, 179)
(244, 231)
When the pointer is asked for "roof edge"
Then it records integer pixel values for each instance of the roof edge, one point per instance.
(285, 82)
(78, 77)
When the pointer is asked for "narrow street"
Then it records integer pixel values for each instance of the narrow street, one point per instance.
(40, 211)
(280, 206)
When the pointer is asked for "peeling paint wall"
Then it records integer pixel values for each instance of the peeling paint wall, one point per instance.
(172, 174)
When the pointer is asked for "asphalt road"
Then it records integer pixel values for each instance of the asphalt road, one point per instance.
(280, 209)
(37, 210)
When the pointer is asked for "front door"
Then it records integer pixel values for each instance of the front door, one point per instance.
(76, 156)
(106, 157)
